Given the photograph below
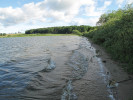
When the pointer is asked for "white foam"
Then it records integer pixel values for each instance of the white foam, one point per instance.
(102, 71)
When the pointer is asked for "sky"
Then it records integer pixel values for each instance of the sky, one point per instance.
(20, 15)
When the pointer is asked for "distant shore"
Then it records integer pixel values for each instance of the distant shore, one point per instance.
(27, 35)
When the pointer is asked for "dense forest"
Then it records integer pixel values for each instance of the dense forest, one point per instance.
(60, 30)
(115, 33)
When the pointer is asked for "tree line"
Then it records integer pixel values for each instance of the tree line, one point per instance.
(2, 34)
(59, 30)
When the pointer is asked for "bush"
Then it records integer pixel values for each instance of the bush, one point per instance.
(76, 32)
(116, 36)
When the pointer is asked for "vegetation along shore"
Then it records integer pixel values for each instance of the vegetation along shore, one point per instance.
(115, 33)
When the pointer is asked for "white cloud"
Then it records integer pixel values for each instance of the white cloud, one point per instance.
(106, 4)
(120, 2)
(88, 21)
(9, 16)
(51, 11)
(93, 11)
(129, 1)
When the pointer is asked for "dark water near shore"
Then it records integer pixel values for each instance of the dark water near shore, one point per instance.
(40, 68)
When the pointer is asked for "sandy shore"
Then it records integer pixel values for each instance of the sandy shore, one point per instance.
(89, 70)
(124, 91)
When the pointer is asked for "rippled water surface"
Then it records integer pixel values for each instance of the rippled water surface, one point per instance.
(46, 68)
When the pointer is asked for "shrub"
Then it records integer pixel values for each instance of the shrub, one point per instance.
(76, 32)
(116, 35)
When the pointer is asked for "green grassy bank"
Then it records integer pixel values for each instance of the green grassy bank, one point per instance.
(28, 35)
(115, 33)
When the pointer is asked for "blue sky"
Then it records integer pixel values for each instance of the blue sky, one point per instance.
(21, 15)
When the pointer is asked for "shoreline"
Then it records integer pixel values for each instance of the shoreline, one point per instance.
(30, 35)
(117, 73)
(92, 83)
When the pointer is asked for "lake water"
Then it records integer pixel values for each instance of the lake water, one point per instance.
(49, 68)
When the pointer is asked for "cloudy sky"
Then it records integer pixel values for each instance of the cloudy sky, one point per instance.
(20, 15)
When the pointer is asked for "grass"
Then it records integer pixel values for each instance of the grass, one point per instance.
(28, 35)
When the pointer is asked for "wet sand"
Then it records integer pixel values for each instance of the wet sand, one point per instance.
(124, 91)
